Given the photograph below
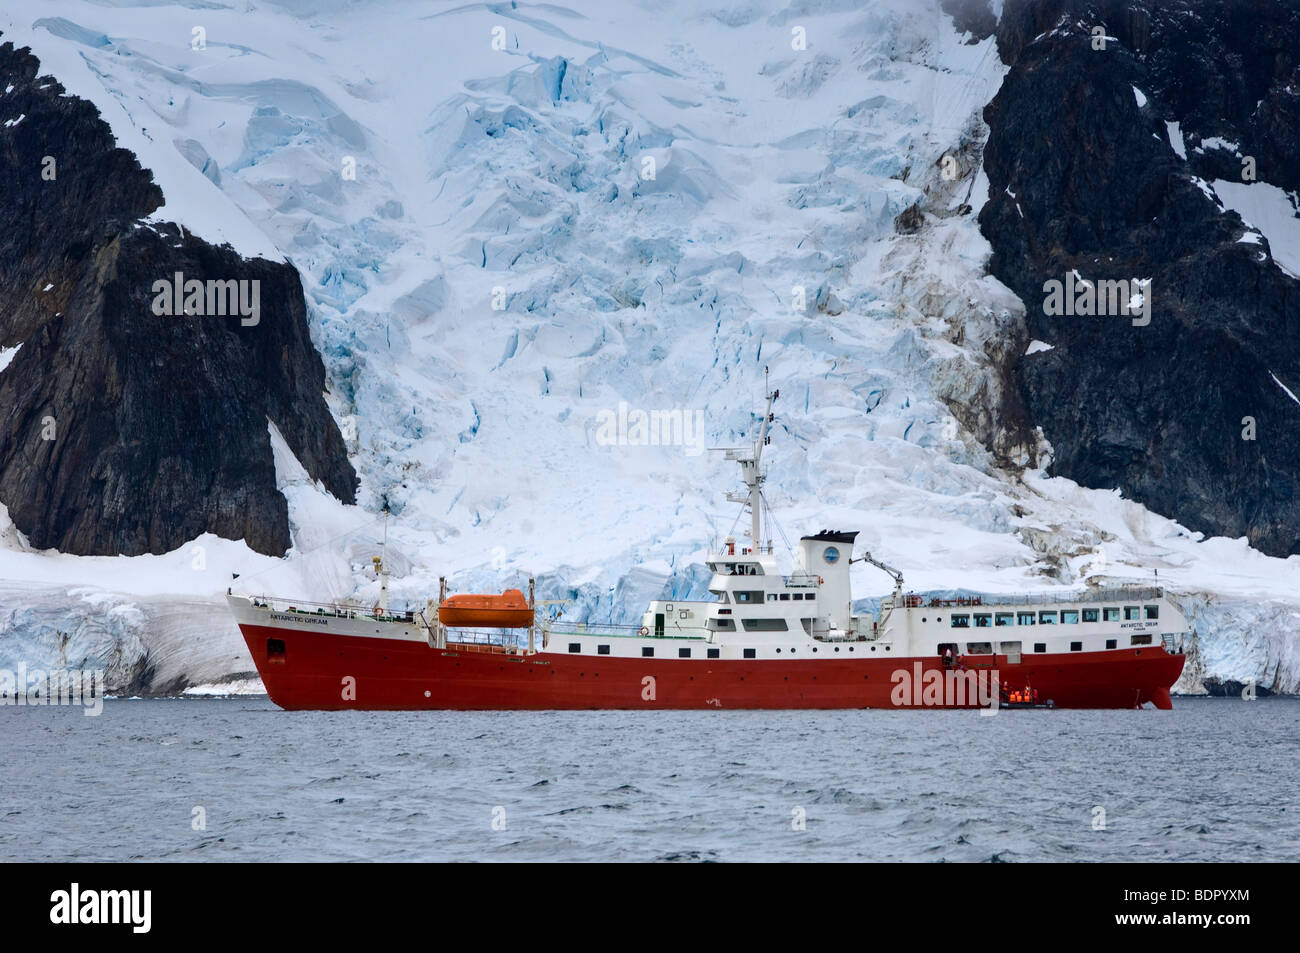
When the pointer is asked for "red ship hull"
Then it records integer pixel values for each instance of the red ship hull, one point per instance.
(322, 671)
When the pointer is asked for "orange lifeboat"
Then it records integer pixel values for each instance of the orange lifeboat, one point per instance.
(506, 611)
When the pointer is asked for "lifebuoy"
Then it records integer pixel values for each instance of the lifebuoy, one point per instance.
(643, 632)
(821, 581)
(378, 612)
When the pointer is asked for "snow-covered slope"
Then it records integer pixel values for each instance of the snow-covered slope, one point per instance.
(510, 219)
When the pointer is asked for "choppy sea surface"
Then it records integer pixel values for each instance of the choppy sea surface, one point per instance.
(240, 780)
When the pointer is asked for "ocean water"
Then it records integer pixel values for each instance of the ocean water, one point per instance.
(1215, 779)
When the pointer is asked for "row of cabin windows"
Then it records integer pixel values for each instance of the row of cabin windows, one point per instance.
(751, 625)
(751, 596)
(1048, 617)
(648, 651)
(986, 648)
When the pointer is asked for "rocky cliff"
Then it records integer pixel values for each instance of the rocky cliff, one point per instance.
(1108, 137)
(124, 430)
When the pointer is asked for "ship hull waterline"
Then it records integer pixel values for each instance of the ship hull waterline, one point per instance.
(321, 671)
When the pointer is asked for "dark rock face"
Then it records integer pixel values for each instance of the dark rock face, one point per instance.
(1084, 178)
(971, 16)
(123, 431)
(1231, 688)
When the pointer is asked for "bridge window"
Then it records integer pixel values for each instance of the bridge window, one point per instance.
(1025, 618)
(1047, 618)
(983, 620)
(1152, 612)
(961, 621)
(1131, 613)
(1005, 618)
(785, 597)
(749, 596)
(1069, 616)
(1091, 615)
(1110, 615)
(810, 595)
(764, 625)
(721, 625)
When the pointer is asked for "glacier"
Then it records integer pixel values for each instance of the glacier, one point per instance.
(512, 218)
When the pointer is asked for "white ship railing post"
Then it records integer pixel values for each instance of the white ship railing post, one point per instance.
(442, 597)
(532, 623)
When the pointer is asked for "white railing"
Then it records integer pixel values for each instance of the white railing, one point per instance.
(1109, 594)
(338, 610)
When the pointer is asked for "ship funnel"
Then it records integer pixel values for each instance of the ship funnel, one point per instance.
(826, 555)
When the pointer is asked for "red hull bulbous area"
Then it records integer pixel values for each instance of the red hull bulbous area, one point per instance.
(323, 671)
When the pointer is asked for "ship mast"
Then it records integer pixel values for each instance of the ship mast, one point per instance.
(381, 568)
(750, 472)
